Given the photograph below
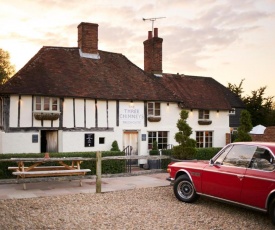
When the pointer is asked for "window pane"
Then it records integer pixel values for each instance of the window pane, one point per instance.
(150, 112)
(157, 112)
(157, 106)
(54, 104)
(150, 105)
(38, 103)
(200, 114)
(46, 103)
(206, 114)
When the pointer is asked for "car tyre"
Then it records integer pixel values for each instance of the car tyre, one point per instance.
(184, 189)
(271, 211)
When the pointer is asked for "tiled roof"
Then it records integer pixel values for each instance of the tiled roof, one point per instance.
(201, 92)
(61, 72)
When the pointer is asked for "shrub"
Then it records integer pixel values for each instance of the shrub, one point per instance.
(115, 146)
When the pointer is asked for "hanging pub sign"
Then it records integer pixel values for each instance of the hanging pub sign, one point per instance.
(89, 139)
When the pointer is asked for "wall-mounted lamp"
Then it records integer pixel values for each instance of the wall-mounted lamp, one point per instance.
(218, 111)
(131, 103)
(167, 103)
(191, 110)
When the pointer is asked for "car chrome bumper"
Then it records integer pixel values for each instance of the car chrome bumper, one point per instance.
(171, 180)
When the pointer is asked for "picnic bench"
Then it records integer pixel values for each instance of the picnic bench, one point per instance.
(36, 170)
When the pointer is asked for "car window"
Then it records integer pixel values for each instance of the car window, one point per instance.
(240, 156)
(262, 160)
(222, 154)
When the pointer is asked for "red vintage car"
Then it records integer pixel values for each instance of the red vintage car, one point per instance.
(241, 173)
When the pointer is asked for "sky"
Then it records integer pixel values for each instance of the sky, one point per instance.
(228, 40)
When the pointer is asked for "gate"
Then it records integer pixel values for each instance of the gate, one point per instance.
(128, 152)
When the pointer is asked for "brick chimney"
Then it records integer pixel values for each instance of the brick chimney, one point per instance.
(88, 37)
(153, 53)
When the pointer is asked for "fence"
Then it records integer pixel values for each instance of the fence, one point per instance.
(99, 160)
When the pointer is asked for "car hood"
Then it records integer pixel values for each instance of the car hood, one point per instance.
(198, 164)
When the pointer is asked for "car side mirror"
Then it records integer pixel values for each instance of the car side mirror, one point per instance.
(211, 162)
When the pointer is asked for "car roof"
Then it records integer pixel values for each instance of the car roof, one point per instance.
(270, 145)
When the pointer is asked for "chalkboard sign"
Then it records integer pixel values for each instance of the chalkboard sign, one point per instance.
(35, 138)
(89, 139)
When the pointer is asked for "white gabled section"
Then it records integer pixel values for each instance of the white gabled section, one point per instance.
(87, 55)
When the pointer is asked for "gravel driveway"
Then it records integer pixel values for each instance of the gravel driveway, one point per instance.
(146, 208)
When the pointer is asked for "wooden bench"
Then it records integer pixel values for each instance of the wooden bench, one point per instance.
(41, 168)
(43, 173)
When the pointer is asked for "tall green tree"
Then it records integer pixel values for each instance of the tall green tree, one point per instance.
(245, 127)
(6, 69)
(237, 89)
(260, 107)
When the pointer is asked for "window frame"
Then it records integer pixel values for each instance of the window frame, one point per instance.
(207, 141)
(157, 136)
(153, 110)
(204, 114)
(232, 111)
(46, 104)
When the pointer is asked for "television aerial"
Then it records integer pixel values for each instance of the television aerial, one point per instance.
(152, 20)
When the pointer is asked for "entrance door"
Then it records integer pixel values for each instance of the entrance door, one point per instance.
(130, 138)
(49, 141)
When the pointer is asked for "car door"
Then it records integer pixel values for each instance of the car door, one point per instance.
(259, 179)
(224, 178)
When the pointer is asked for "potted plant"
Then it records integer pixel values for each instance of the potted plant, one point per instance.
(154, 164)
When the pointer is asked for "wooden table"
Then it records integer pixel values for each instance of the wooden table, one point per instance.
(36, 169)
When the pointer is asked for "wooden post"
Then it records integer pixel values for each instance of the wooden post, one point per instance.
(98, 172)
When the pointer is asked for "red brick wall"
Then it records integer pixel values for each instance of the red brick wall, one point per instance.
(227, 138)
(88, 37)
(153, 54)
(268, 136)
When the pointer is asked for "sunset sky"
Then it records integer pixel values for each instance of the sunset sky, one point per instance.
(227, 40)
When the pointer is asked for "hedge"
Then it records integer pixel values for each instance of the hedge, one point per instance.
(200, 153)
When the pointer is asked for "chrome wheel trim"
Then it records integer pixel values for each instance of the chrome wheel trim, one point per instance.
(185, 189)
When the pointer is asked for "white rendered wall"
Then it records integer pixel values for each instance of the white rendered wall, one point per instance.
(74, 141)
(79, 112)
(26, 111)
(14, 110)
(90, 113)
(219, 126)
(69, 141)
(19, 143)
(102, 113)
(68, 116)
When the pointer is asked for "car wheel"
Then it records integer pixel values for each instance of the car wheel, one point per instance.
(271, 211)
(184, 189)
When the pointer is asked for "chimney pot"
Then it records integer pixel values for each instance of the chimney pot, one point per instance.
(150, 34)
(155, 32)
